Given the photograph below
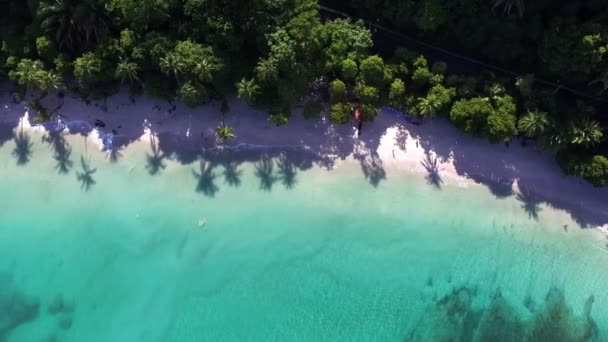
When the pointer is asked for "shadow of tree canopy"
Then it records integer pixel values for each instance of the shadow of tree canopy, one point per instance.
(287, 172)
(205, 179)
(232, 174)
(61, 151)
(371, 165)
(264, 170)
(155, 160)
(497, 167)
(85, 177)
(431, 166)
(530, 202)
(23, 147)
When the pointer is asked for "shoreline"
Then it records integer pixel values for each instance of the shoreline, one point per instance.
(445, 155)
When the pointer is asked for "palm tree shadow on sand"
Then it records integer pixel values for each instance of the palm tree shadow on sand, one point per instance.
(85, 177)
(431, 165)
(530, 203)
(61, 152)
(232, 174)
(264, 170)
(155, 161)
(23, 146)
(287, 172)
(206, 179)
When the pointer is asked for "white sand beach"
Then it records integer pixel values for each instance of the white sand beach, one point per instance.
(435, 148)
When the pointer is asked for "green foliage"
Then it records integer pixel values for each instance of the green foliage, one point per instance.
(140, 14)
(46, 49)
(422, 76)
(33, 75)
(74, 24)
(372, 70)
(337, 91)
(225, 132)
(338, 38)
(193, 94)
(594, 169)
(247, 89)
(367, 94)
(349, 69)
(471, 114)
(87, 69)
(534, 124)
(126, 71)
(340, 113)
(312, 110)
(369, 112)
(501, 123)
(267, 70)
(396, 94)
(280, 115)
(431, 14)
(585, 132)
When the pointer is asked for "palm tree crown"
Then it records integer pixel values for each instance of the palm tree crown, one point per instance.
(74, 23)
(247, 89)
(533, 124)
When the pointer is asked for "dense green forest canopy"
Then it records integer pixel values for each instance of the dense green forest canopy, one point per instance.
(279, 53)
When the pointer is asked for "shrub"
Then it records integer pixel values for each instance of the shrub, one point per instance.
(349, 69)
(340, 113)
(372, 70)
(369, 112)
(593, 169)
(337, 91)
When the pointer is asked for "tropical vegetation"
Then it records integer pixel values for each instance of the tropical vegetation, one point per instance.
(271, 53)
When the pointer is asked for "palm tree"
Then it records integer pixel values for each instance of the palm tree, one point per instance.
(225, 132)
(507, 6)
(586, 132)
(427, 106)
(171, 65)
(126, 70)
(266, 70)
(74, 23)
(533, 124)
(205, 70)
(247, 89)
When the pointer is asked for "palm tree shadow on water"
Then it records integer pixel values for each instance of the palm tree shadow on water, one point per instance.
(23, 146)
(85, 177)
(61, 152)
(206, 179)
(287, 172)
(232, 174)
(430, 164)
(264, 170)
(155, 160)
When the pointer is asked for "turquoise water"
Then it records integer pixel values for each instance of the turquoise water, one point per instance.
(95, 250)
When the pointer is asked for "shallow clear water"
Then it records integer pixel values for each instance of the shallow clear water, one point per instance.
(107, 251)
